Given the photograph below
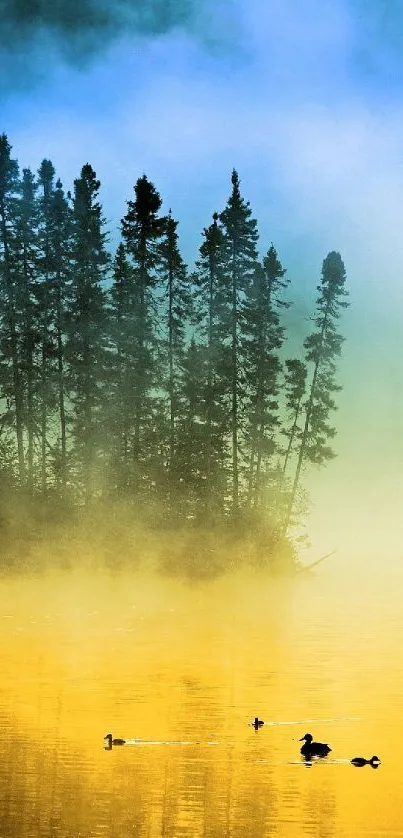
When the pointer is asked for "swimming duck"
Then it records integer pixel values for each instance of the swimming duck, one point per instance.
(114, 741)
(257, 723)
(360, 761)
(313, 749)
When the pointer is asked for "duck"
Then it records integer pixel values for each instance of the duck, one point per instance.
(257, 723)
(360, 761)
(313, 749)
(114, 741)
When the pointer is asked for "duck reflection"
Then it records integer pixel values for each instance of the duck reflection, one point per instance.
(359, 762)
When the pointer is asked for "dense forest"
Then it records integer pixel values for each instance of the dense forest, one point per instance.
(129, 381)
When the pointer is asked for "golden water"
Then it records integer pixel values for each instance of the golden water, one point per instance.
(180, 667)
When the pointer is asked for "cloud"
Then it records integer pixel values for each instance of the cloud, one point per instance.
(91, 20)
(36, 33)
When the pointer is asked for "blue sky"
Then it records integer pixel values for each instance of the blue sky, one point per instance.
(305, 99)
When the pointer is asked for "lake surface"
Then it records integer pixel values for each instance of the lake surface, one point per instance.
(182, 669)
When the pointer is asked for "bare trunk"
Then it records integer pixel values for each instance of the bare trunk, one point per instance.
(291, 440)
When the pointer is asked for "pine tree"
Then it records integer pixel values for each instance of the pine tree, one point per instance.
(189, 465)
(123, 322)
(12, 383)
(240, 232)
(214, 324)
(87, 327)
(60, 243)
(142, 230)
(26, 242)
(45, 304)
(264, 337)
(322, 347)
(177, 310)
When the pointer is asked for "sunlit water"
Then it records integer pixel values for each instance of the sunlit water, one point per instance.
(181, 670)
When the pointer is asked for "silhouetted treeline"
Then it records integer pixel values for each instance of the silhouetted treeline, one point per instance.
(131, 377)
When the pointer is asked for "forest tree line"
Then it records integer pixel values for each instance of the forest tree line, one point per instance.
(127, 375)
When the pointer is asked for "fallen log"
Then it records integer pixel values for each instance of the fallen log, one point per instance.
(304, 568)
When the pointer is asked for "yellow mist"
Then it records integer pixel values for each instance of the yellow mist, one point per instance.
(182, 669)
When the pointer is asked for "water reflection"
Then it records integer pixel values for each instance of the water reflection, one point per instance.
(318, 809)
(179, 675)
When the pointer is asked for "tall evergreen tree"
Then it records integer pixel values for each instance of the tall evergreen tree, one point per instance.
(45, 301)
(190, 468)
(177, 305)
(87, 340)
(241, 236)
(11, 370)
(123, 322)
(142, 231)
(322, 347)
(26, 280)
(214, 323)
(264, 337)
(61, 264)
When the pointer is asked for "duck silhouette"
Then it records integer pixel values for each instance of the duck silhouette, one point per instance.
(360, 761)
(313, 749)
(114, 741)
(257, 723)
